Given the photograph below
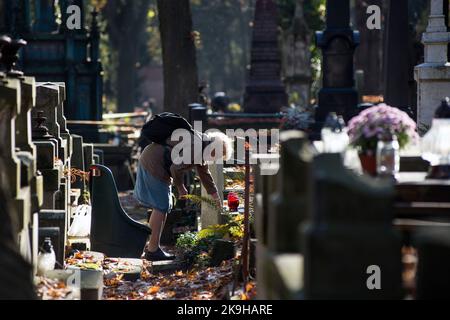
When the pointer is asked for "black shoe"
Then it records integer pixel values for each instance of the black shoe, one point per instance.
(159, 255)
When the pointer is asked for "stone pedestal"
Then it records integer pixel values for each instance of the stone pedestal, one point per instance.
(289, 203)
(433, 76)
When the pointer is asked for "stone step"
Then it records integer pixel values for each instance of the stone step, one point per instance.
(165, 266)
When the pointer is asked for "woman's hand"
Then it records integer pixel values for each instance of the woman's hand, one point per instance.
(218, 200)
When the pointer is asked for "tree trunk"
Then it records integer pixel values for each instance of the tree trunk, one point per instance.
(126, 80)
(126, 25)
(179, 55)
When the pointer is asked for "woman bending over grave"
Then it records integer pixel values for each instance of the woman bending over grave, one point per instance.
(158, 171)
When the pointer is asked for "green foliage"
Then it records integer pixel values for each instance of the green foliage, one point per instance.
(196, 247)
(187, 241)
(224, 27)
(223, 54)
(194, 250)
(204, 200)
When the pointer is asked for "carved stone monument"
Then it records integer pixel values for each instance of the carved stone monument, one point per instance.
(338, 43)
(265, 92)
(297, 70)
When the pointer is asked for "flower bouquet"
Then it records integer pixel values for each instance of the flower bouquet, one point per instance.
(366, 129)
(297, 118)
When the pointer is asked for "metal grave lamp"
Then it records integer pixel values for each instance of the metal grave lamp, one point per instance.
(436, 143)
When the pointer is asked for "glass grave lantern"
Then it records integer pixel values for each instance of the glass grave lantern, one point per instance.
(334, 134)
(233, 202)
(436, 143)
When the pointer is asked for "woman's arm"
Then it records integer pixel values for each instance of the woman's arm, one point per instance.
(177, 172)
(206, 179)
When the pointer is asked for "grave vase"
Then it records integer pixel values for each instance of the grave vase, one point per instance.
(369, 163)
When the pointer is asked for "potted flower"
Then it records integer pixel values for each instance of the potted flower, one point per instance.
(366, 129)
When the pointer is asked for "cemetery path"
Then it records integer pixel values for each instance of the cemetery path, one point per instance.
(196, 284)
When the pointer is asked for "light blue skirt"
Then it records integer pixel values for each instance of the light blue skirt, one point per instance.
(151, 192)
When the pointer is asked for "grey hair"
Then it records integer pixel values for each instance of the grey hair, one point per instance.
(227, 143)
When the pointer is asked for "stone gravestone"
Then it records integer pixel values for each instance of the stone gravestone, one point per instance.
(349, 233)
(265, 93)
(264, 186)
(62, 121)
(78, 159)
(282, 204)
(46, 148)
(289, 204)
(10, 170)
(338, 43)
(433, 278)
(15, 271)
(27, 153)
(211, 216)
(47, 101)
(433, 76)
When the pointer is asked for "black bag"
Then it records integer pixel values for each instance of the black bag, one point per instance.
(161, 127)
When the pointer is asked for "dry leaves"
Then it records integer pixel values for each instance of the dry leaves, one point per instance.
(199, 284)
(48, 289)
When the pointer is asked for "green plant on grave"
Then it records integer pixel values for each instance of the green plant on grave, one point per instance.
(233, 229)
(195, 247)
(204, 200)
(187, 241)
(194, 251)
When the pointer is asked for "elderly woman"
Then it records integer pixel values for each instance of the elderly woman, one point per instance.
(157, 173)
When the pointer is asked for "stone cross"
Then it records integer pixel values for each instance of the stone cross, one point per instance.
(265, 93)
(433, 76)
(338, 43)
